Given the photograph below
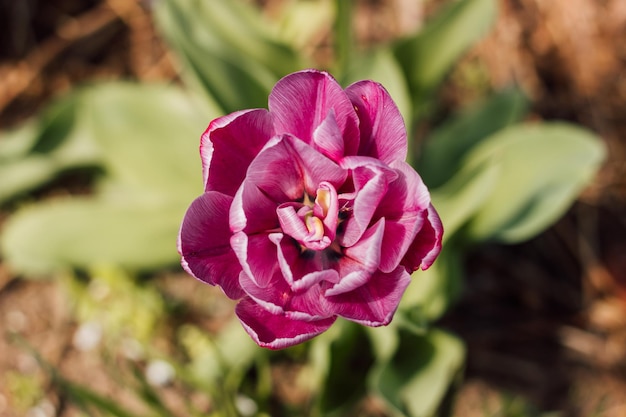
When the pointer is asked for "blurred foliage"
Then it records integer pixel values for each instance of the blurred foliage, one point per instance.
(492, 177)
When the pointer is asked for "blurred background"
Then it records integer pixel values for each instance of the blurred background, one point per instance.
(544, 321)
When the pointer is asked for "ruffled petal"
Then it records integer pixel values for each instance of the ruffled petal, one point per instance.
(257, 256)
(370, 179)
(328, 139)
(383, 133)
(374, 303)
(204, 243)
(277, 331)
(301, 101)
(359, 261)
(402, 206)
(228, 146)
(278, 298)
(427, 243)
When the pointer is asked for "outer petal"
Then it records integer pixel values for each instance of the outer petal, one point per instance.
(427, 244)
(204, 243)
(228, 146)
(301, 101)
(374, 303)
(277, 331)
(406, 199)
(383, 133)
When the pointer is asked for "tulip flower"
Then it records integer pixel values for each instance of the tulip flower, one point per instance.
(309, 210)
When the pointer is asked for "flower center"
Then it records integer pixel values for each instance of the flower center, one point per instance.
(313, 222)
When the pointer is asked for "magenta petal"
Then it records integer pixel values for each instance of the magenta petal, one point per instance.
(204, 243)
(328, 139)
(374, 303)
(402, 206)
(228, 146)
(277, 331)
(278, 298)
(301, 101)
(316, 168)
(257, 256)
(370, 184)
(383, 133)
(427, 244)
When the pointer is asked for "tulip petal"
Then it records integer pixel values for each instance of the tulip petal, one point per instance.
(370, 183)
(427, 244)
(360, 261)
(327, 138)
(278, 298)
(277, 331)
(300, 102)
(204, 243)
(383, 133)
(374, 303)
(229, 145)
(402, 206)
(257, 256)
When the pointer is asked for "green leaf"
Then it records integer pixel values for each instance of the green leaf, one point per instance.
(226, 51)
(146, 137)
(36, 153)
(428, 57)
(149, 137)
(445, 148)
(83, 232)
(461, 197)
(541, 170)
(433, 291)
(351, 358)
(417, 379)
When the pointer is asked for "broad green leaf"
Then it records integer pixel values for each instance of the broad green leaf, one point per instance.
(83, 232)
(428, 57)
(36, 153)
(300, 21)
(350, 357)
(214, 358)
(423, 370)
(433, 291)
(459, 199)
(225, 50)
(444, 149)
(542, 169)
(149, 137)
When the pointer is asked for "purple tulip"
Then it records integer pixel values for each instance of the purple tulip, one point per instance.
(309, 210)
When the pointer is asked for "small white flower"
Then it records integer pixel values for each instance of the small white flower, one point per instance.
(159, 373)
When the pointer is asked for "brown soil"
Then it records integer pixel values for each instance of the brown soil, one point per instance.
(544, 321)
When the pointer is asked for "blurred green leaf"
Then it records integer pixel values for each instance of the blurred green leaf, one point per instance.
(350, 359)
(428, 57)
(445, 148)
(226, 50)
(299, 22)
(433, 291)
(541, 170)
(149, 137)
(214, 358)
(36, 153)
(83, 232)
(462, 196)
(146, 138)
(417, 379)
